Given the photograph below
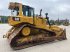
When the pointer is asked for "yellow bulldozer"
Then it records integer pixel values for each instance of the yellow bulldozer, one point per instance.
(30, 30)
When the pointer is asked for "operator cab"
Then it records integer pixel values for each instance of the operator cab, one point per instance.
(26, 10)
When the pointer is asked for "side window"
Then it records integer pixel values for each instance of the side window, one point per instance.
(26, 13)
(31, 12)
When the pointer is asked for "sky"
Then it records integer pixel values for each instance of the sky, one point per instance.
(55, 8)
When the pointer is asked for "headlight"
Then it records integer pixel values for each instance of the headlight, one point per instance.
(16, 18)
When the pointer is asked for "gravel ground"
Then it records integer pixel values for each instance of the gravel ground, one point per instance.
(59, 46)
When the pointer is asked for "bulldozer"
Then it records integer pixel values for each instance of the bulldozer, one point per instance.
(30, 30)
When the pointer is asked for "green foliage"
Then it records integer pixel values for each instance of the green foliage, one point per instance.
(52, 22)
(60, 22)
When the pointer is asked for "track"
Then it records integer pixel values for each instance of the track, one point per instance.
(33, 39)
